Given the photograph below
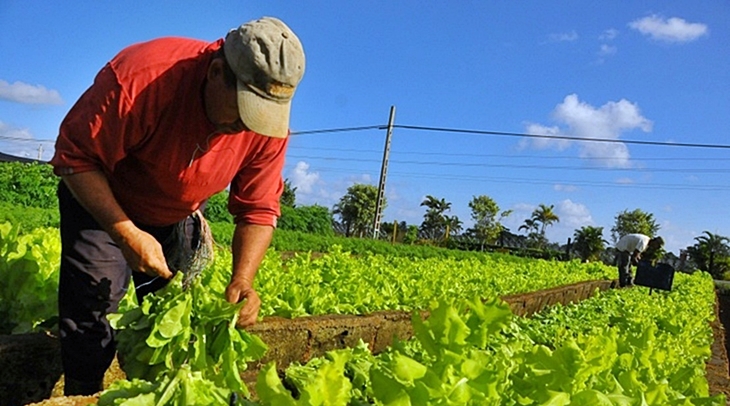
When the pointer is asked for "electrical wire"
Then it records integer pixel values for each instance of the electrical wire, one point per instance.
(478, 179)
(516, 166)
(562, 137)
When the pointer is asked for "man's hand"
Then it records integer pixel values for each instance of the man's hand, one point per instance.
(241, 289)
(144, 254)
(141, 251)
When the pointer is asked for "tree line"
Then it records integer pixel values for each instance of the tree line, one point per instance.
(354, 213)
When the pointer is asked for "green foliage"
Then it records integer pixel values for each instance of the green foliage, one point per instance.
(29, 218)
(216, 208)
(542, 217)
(29, 267)
(484, 211)
(634, 222)
(470, 352)
(711, 254)
(289, 195)
(622, 347)
(589, 243)
(341, 282)
(435, 221)
(28, 185)
(183, 387)
(309, 219)
(187, 338)
(357, 209)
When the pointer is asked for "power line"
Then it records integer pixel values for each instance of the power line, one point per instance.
(339, 130)
(6, 137)
(473, 178)
(516, 166)
(563, 137)
(515, 134)
(515, 156)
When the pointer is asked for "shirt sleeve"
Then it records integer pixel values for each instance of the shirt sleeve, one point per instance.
(258, 185)
(98, 130)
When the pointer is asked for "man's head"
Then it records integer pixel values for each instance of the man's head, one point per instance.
(268, 62)
(656, 243)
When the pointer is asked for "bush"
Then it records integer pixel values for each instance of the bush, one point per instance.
(216, 209)
(28, 185)
(29, 218)
(308, 219)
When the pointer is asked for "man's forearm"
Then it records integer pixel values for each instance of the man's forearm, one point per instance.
(92, 191)
(142, 252)
(250, 242)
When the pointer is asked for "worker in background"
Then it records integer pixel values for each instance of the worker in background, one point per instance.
(629, 250)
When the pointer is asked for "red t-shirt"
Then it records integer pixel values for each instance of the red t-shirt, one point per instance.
(143, 124)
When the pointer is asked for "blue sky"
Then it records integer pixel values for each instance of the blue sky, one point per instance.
(655, 71)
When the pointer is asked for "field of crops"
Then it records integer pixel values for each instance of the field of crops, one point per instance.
(622, 347)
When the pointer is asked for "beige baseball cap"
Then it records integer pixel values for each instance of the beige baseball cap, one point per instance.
(268, 59)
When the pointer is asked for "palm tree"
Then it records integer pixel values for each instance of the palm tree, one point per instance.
(435, 221)
(453, 225)
(545, 216)
(711, 253)
(542, 217)
(589, 243)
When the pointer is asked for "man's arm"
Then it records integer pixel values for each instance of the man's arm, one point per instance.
(142, 252)
(635, 257)
(250, 242)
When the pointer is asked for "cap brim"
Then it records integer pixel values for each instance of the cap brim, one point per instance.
(263, 116)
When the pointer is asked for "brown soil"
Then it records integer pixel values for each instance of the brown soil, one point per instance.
(718, 369)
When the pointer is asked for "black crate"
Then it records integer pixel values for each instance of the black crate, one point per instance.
(660, 276)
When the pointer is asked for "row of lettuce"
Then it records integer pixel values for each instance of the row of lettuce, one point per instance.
(621, 347)
(181, 347)
(303, 284)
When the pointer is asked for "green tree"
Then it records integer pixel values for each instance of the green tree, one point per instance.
(637, 221)
(545, 216)
(589, 243)
(532, 228)
(411, 235)
(487, 226)
(542, 217)
(453, 225)
(308, 219)
(356, 209)
(435, 219)
(288, 196)
(711, 253)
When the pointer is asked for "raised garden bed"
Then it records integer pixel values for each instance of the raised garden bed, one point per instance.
(301, 339)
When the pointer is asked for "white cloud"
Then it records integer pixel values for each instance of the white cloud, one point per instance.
(573, 215)
(607, 50)
(584, 121)
(670, 30)
(544, 142)
(20, 92)
(302, 179)
(608, 35)
(564, 37)
(564, 188)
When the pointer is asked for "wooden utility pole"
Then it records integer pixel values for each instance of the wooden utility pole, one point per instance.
(383, 174)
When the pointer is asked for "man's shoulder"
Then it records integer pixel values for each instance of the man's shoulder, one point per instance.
(159, 55)
(171, 46)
